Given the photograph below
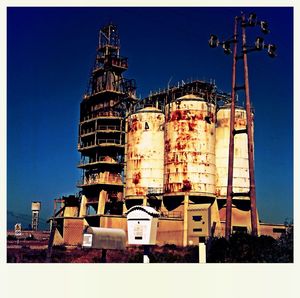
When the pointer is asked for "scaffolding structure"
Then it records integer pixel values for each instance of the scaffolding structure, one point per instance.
(102, 130)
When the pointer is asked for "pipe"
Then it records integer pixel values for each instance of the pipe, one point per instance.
(231, 138)
(250, 138)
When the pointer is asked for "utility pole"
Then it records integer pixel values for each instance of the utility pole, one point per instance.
(240, 22)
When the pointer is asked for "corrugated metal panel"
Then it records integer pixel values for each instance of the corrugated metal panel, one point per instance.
(190, 147)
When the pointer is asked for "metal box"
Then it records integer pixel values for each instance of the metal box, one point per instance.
(104, 238)
(199, 220)
(142, 224)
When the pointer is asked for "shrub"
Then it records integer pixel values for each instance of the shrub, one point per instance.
(11, 237)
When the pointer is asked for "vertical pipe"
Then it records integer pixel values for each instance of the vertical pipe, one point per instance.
(145, 201)
(83, 207)
(125, 160)
(250, 138)
(185, 219)
(95, 132)
(231, 138)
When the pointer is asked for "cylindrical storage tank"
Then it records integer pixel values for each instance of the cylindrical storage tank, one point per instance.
(144, 154)
(189, 147)
(240, 162)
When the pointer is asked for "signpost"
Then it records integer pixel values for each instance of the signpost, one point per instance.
(18, 231)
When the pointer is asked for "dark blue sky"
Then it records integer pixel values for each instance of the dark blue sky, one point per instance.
(50, 54)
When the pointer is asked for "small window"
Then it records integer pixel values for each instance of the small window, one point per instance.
(197, 230)
(146, 125)
(239, 229)
(197, 218)
(278, 230)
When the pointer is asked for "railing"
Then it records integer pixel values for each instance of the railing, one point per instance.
(110, 141)
(155, 190)
(121, 62)
(96, 114)
(104, 159)
(99, 142)
(115, 61)
(109, 127)
(87, 131)
(86, 145)
(101, 178)
(100, 127)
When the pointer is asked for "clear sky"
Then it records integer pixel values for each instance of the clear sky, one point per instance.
(50, 54)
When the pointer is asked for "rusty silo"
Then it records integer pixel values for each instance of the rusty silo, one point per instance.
(241, 216)
(189, 150)
(144, 156)
(241, 161)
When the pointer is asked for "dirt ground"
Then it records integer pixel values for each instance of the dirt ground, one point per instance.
(61, 254)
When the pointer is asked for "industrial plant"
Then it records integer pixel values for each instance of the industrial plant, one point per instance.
(186, 151)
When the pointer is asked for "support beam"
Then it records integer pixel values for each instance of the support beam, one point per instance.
(102, 201)
(254, 218)
(83, 206)
(185, 219)
(231, 139)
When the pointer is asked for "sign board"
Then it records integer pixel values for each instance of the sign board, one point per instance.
(138, 231)
(87, 240)
(18, 229)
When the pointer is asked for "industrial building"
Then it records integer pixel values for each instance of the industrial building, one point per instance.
(169, 151)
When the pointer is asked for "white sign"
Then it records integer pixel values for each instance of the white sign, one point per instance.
(87, 240)
(138, 231)
(18, 229)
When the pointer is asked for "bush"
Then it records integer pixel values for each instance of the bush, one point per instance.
(61, 247)
(244, 248)
(11, 237)
(30, 237)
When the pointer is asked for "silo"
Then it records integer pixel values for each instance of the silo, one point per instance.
(240, 162)
(189, 148)
(144, 155)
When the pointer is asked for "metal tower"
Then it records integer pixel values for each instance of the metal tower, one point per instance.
(102, 130)
(35, 209)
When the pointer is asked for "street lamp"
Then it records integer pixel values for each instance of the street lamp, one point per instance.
(213, 41)
(241, 23)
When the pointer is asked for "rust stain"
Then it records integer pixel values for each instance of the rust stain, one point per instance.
(180, 146)
(139, 192)
(136, 178)
(200, 116)
(187, 186)
(167, 145)
(192, 125)
(176, 115)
